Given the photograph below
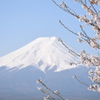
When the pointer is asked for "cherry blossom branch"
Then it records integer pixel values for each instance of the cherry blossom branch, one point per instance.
(80, 34)
(91, 18)
(47, 93)
(86, 38)
(84, 18)
(54, 92)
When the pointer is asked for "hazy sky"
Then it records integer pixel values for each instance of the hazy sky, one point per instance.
(22, 21)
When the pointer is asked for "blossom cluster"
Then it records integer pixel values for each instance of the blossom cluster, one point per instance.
(89, 60)
(63, 4)
(94, 87)
(47, 98)
(94, 75)
(97, 2)
(90, 41)
(92, 17)
(56, 92)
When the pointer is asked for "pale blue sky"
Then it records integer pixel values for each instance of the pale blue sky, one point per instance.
(22, 21)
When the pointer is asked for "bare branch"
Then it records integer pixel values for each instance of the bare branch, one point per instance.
(67, 28)
(71, 51)
(80, 81)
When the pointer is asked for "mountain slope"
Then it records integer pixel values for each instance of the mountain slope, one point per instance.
(46, 58)
(40, 53)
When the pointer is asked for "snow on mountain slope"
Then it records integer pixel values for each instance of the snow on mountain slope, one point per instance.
(41, 53)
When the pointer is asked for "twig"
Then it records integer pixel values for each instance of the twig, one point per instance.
(86, 36)
(68, 9)
(52, 91)
(71, 51)
(80, 81)
(67, 28)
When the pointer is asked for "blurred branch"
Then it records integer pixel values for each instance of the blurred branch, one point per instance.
(79, 80)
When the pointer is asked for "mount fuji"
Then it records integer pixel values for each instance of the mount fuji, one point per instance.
(41, 53)
(47, 58)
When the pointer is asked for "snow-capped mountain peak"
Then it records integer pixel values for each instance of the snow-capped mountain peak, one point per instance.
(42, 53)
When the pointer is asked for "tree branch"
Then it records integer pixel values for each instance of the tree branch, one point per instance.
(80, 81)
